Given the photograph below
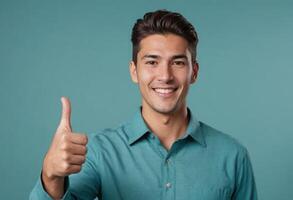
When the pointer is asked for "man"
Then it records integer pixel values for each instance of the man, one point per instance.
(163, 152)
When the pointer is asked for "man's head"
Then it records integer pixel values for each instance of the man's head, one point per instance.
(163, 22)
(164, 63)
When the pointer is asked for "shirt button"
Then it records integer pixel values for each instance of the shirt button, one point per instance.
(168, 185)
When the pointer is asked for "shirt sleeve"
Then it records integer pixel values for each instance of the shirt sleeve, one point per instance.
(39, 193)
(83, 185)
(245, 182)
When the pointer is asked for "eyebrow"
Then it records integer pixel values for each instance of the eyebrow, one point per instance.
(179, 56)
(157, 56)
(150, 56)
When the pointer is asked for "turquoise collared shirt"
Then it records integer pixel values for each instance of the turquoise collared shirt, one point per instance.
(130, 163)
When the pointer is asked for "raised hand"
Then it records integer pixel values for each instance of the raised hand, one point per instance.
(66, 154)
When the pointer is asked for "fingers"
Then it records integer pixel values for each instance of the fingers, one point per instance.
(78, 138)
(74, 149)
(73, 169)
(68, 169)
(65, 122)
(68, 150)
(76, 159)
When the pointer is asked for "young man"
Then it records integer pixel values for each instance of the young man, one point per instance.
(163, 152)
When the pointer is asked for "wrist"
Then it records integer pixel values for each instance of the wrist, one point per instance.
(53, 185)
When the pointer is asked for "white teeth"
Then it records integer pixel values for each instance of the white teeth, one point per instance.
(164, 90)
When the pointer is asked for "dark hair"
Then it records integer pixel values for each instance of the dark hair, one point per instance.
(163, 22)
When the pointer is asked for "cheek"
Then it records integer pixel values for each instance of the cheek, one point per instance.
(145, 76)
(184, 77)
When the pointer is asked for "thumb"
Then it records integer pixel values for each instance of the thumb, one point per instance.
(65, 123)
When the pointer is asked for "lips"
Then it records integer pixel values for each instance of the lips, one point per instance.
(165, 92)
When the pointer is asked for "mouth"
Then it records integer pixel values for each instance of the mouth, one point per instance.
(165, 92)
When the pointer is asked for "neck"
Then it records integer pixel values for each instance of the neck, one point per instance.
(168, 127)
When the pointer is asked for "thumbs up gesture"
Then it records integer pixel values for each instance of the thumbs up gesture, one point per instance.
(66, 154)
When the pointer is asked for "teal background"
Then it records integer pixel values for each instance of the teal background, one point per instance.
(81, 49)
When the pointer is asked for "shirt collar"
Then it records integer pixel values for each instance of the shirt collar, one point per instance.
(137, 128)
(194, 129)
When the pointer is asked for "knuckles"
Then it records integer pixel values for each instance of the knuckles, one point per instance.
(65, 167)
(83, 150)
(66, 137)
(85, 139)
(65, 156)
(64, 146)
(62, 150)
(69, 169)
(83, 159)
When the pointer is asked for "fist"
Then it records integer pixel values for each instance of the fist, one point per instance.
(68, 150)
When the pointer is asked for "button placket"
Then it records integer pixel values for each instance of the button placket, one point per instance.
(169, 180)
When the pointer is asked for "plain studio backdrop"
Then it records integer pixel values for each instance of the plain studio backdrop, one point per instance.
(81, 49)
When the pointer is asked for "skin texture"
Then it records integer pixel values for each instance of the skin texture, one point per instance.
(164, 61)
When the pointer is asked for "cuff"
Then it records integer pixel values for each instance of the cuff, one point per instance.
(39, 192)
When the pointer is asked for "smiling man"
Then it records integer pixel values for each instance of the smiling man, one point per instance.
(164, 152)
(164, 70)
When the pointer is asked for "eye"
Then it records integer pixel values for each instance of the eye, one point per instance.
(151, 62)
(179, 63)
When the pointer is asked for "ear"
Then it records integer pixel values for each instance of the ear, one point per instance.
(195, 69)
(133, 72)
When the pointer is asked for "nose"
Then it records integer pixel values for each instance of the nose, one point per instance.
(165, 73)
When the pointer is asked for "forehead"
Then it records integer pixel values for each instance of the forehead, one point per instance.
(164, 45)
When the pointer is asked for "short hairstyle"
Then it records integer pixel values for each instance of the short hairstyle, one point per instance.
(163, 22)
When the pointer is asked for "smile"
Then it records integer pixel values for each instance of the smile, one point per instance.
(165, 92)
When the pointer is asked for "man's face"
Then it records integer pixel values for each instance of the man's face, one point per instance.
(164, 71)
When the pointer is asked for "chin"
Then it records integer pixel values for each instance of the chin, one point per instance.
(165, 110)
